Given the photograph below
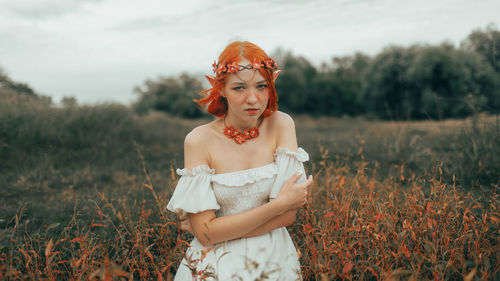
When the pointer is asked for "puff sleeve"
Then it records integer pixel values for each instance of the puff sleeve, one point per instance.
(193, 193)
(288, 163)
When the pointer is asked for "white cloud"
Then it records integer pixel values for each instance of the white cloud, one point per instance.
(41, 9)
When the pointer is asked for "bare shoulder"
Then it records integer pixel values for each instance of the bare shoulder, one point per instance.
(284, 126)
(197, 136)
(281, 120)
(195, 143)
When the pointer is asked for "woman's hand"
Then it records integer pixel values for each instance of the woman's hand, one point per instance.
(185, 222)
(294, 195)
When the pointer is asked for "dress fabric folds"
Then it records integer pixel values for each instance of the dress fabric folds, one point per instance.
(272, 254)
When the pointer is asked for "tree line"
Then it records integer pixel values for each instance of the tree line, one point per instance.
(416, 82)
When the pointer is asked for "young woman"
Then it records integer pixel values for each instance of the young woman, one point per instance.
(243, 179)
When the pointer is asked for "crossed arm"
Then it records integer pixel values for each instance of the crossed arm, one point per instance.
(285, 219)
(210, 229)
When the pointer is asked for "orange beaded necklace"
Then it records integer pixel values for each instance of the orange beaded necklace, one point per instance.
(241, 137)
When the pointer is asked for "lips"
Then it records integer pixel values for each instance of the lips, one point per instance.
(252, 111)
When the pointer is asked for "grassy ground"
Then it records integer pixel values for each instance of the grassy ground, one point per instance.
(76, 193)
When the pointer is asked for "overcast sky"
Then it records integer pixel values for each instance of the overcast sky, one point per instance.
(98, 50)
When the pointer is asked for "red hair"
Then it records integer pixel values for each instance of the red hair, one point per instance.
(213, 102)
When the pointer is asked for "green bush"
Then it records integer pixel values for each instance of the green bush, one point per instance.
(173, 95)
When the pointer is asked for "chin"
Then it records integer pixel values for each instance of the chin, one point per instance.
(256, 116)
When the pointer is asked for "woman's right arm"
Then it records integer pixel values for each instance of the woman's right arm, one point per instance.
(209, 229)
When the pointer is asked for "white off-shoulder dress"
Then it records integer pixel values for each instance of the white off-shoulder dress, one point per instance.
(272, 254)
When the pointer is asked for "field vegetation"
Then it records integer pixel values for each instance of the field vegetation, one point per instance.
(84, 190)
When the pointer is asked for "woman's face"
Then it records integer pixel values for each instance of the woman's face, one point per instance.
(247, 93)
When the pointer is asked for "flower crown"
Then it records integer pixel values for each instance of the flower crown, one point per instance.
(267, 63)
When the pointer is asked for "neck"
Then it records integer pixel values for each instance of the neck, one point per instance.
(240, 124)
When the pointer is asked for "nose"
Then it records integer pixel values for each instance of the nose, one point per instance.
(252, 96)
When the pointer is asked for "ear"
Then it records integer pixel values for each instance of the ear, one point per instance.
(276, 73)
(211, 79)
(221, 93)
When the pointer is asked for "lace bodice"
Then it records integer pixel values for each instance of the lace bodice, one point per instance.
(201, 189)
(243, 190)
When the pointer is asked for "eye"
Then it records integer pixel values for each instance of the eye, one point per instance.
(262, 86)
(239, 88)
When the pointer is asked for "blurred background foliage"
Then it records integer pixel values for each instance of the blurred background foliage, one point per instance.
(417, 82)
(400, 83)
(173, 95)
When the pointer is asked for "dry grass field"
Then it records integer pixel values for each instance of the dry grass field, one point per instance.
(84, 192)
